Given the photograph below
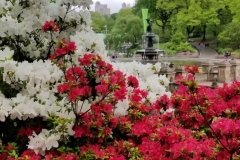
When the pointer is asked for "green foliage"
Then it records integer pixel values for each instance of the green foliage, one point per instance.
(149, 4)
(234, 7)
(134, 48)
(162, 37)
(237, 51)
(128, 28)
(183, 47)
(167, 47)
(164, 12)
(223, 50)
(177, 44)
(177, 38)
(230, 37)
(172, 48)
(191, 18)
(98, 22)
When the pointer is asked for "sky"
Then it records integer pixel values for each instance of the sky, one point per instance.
(114, 5)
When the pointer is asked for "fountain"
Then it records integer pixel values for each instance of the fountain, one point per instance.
(149, 52)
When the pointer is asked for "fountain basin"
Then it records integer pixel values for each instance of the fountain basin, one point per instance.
(150, 53)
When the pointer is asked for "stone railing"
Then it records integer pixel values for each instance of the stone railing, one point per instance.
(224, 72)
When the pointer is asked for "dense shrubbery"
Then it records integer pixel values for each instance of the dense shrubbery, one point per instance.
(172, 49)
(177, 44)
(224, 50)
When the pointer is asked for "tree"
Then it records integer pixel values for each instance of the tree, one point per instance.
(98, 22)
(209, 15)
(128, 28)
(110, 21)
(230, 36)
(234, 7)
(187, 16)
(164, 12)
(225, 17)
(149, 4)
(193, 13)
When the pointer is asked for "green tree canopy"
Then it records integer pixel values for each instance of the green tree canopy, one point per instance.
(230, 36)
(128, 28)
(164, 11)
(149, 4)
(98, 22)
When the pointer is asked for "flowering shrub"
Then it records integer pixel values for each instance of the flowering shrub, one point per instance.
(79, 106)
(70, 106)
(195, 123)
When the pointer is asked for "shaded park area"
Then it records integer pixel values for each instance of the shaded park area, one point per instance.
(210, 23)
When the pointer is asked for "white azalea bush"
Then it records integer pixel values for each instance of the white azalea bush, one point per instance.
(51, 87)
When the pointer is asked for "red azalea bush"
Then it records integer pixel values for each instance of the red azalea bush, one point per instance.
(203, 124)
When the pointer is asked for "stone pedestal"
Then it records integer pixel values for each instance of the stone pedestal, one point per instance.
(224, 72)
(181, 70)
(235, 69)
(206, 68)
(169, 72)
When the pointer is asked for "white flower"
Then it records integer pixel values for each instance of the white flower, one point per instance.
(6, 54)
(43, 141)
(1, 6)
(152, 96)
(5, 107)
(157, 66)
(83, 106)
(170, 110)
(121, 108)
(52, 141)
(37, 143)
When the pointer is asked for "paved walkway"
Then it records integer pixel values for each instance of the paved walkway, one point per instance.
(205, 52)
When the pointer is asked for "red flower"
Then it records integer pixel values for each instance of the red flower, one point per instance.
(192, 69)
(50, 26)
(132, 81)
(3, 156)
(102, 89)
(63, 88)
(31, 155)
(87, 59)
(108, 108)
(79, 92)
(107, 131)
(60, 52)
(120, 94)
(114, 122)
(80, 131)
(71, 46)
(9, 147)
(52, 57)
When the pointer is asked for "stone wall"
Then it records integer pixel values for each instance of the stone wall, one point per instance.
(223, 72)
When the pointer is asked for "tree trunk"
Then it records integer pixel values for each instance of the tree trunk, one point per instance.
(189, 30)
(204, 32)
(163, 30)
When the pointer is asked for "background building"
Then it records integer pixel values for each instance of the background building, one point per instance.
(102, 8)
(124, 5)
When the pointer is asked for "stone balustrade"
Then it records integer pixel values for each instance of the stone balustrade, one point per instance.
(223, 72)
